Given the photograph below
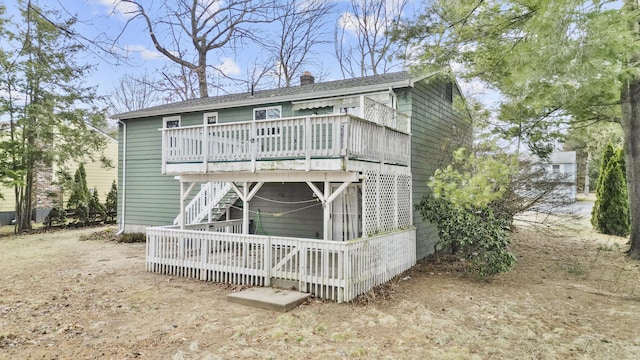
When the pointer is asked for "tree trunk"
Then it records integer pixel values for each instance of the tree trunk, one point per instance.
(201, 70)
(630, 99)
(586, 175)
(26, 207)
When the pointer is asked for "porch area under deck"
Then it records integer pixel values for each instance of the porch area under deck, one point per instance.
(335, 270)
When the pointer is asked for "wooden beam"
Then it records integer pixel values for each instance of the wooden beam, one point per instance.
(316, 191)
(274, 176)
(245, 208)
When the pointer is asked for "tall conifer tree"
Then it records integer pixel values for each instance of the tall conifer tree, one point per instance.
(46, 102)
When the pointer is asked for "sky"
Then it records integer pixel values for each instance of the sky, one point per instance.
(103, 21)
(106, 19)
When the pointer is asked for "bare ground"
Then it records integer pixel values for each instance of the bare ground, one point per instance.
(574, 296)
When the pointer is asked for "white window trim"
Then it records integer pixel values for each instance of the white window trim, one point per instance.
(167, 119)
(206, 115)
(267, 108)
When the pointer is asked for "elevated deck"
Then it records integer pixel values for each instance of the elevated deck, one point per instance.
(335, 142)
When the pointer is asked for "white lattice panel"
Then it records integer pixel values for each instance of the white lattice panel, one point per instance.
(369, 204)
(386, 202)
(405, 207)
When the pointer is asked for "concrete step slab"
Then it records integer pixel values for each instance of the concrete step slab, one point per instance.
(269, 298)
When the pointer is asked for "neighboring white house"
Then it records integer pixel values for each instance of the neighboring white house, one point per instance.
(563, 164)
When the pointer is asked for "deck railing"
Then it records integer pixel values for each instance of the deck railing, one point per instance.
(318, 136)
(334, 270)
(203, 202)
(384, 115)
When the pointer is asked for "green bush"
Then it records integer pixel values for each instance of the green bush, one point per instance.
(607, 156)
(56, 217)
(111, 204)
(79, 199)
(610, 214)
(96, 210)
(475, 232)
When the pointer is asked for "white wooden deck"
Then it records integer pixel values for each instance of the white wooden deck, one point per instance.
(334, 270)
(299, 143)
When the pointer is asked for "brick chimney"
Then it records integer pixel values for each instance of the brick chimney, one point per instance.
(306, 78)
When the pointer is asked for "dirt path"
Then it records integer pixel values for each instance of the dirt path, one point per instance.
(569, 297)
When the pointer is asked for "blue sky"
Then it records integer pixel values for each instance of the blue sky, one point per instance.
(106, 19)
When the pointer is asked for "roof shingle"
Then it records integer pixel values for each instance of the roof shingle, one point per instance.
(310, 91)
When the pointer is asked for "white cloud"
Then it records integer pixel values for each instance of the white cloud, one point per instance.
(372, 23)
(229, 67)
(145, 53)
(120, 8)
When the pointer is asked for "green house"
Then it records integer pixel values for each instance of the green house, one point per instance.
(310, 186)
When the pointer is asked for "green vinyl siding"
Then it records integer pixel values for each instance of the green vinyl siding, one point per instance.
(151, 198)
(231, 115)
(437, 129)
(288, 209)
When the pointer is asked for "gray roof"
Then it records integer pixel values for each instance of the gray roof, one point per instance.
(562, 157)
(294, 93)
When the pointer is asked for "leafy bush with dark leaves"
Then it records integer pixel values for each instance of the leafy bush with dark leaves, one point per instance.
(474, 232)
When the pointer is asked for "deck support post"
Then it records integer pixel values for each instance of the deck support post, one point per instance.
(246, 196)
(184, 194)
(245, 208)
(327, 199)
(327, 211)
(182, 217)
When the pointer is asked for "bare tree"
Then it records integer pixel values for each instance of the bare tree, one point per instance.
(300, 29)
(372, 51)
(194, 28)
(134, 93)
(177, 84)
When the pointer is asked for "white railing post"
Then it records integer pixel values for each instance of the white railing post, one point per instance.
(267, 262)
(346, 141)
(385, 145)
(205, 149)
(253, 138)
(307, 142)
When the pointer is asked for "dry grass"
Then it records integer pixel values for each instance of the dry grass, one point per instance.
(570, 296)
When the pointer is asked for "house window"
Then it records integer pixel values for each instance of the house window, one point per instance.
(273, 112)
(168, 123)
(171, 122)
(210, 118)
(267, 113)
(555, 168)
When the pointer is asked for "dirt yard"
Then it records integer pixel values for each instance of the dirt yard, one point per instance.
(574, 296)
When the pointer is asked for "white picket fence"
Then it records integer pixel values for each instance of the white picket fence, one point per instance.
(333, 270)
